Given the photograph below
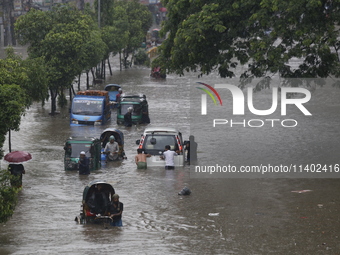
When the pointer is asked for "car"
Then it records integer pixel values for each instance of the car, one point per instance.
(154, 140)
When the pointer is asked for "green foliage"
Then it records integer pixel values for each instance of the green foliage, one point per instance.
(36, 86)
(137, 20)
(115, 37)
(8, 196)
(32, 29)
(217, 35)
(16, 82)
(106, 12)
(141, 57)
(12, 105)
(69, 42)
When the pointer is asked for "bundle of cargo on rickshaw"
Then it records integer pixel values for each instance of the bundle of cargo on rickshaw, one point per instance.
(93, 93)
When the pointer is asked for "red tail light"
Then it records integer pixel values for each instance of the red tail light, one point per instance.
(141, 143)
(179, 143)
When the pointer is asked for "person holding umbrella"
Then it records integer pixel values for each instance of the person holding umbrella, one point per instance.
(15, 158)
(17, 170)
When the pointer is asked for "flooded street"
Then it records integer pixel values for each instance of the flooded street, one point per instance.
(221, 216)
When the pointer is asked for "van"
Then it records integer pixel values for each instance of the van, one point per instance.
(153, 141)
(90, 107)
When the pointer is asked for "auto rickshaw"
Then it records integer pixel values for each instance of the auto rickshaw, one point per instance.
(155, 38)
(74, 145)
(119, 138)
(157, 73)
(97, 196)
(138, 102)
(113, 91)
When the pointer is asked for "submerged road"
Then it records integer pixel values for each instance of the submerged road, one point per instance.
(221, 216)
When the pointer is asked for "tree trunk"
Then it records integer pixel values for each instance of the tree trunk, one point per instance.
(120, 60)
(125, 55)
(108, 62)
(104, 68)
(53, 101)
(9, 141)
(87, 79)
(93, 76)
(73, 92)
(132, 58)
(70, 93)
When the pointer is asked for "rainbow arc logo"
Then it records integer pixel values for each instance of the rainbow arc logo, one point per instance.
(204, 97)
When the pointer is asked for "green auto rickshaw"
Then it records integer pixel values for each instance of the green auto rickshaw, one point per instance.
(140, 113)
(74, 145)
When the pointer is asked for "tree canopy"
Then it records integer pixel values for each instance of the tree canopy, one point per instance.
(137, 21)
(66, 39)
(21, 83)
(264, 35)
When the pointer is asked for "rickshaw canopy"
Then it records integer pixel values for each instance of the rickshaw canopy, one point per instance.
(89, 189)
(119, 137)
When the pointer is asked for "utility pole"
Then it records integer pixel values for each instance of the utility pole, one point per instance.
(98, 69)
(99, 13)
(7, 20)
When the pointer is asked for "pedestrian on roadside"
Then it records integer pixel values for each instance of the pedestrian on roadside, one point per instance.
(17, 170)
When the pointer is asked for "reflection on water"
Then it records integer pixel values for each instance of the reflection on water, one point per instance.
(221, 216)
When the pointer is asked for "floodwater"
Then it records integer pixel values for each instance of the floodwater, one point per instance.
(221, 216)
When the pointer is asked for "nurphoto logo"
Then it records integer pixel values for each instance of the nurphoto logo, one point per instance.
(239, 104)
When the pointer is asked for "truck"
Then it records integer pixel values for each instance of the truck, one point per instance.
(90, 107)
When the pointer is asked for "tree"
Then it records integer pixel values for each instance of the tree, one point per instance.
(116, 34)
(66, 39)
(95, 49)
(139, 20)
(8, 196)
(21, 83)
(217, 35)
